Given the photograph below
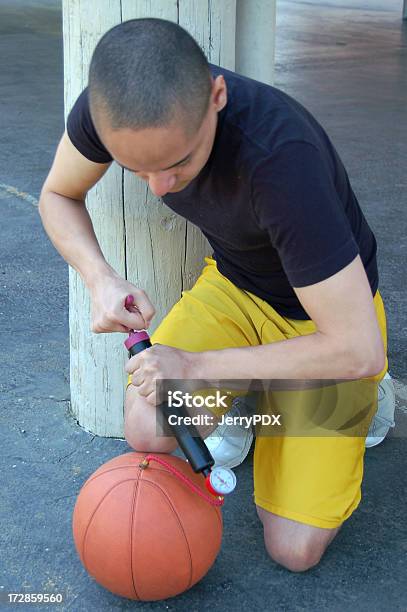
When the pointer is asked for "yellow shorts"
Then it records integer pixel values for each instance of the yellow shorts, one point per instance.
(313, 480)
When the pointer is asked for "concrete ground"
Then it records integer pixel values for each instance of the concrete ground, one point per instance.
(347, 62)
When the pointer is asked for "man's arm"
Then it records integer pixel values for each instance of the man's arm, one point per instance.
(346, 344)
(63, 211)
(69, 226)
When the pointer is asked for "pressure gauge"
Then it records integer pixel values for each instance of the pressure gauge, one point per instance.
(221, 481)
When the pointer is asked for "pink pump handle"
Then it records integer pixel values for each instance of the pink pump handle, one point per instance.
(134, 335)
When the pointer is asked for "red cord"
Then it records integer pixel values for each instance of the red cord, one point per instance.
(213, 501)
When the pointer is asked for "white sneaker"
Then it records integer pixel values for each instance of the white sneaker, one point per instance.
(384, 417)
(229, 445)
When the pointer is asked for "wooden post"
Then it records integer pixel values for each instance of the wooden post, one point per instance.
(255, 39)
(141, 238)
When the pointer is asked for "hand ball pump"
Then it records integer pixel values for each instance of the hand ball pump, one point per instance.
(219, 480)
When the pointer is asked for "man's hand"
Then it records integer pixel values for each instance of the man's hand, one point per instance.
(108, 305)
(159, 362)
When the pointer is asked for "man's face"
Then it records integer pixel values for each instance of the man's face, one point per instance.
(166, 157)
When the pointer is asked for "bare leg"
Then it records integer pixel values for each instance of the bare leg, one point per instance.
(296, 546)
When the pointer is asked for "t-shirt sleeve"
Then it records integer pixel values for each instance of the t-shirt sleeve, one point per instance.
(82, 132)
(296, 202)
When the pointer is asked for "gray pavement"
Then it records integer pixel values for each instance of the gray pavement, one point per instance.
(347, 62)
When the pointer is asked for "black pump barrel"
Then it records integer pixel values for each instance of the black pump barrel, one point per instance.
(187, 436)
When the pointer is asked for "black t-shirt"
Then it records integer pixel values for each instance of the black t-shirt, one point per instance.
(274, 199)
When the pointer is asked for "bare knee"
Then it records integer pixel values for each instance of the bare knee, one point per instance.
(140, 425)
(295, 546)
(295, 556)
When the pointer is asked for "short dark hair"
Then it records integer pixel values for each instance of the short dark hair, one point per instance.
(146, 73)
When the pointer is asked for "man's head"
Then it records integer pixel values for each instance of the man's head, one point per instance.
(154, 102)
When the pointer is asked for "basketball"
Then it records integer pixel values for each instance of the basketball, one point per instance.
(143, 533)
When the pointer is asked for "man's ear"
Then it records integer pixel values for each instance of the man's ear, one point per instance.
(219, 92)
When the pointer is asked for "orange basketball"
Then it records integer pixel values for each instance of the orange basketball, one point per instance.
(143, 533)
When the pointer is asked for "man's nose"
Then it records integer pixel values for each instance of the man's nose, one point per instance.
(160, 185)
